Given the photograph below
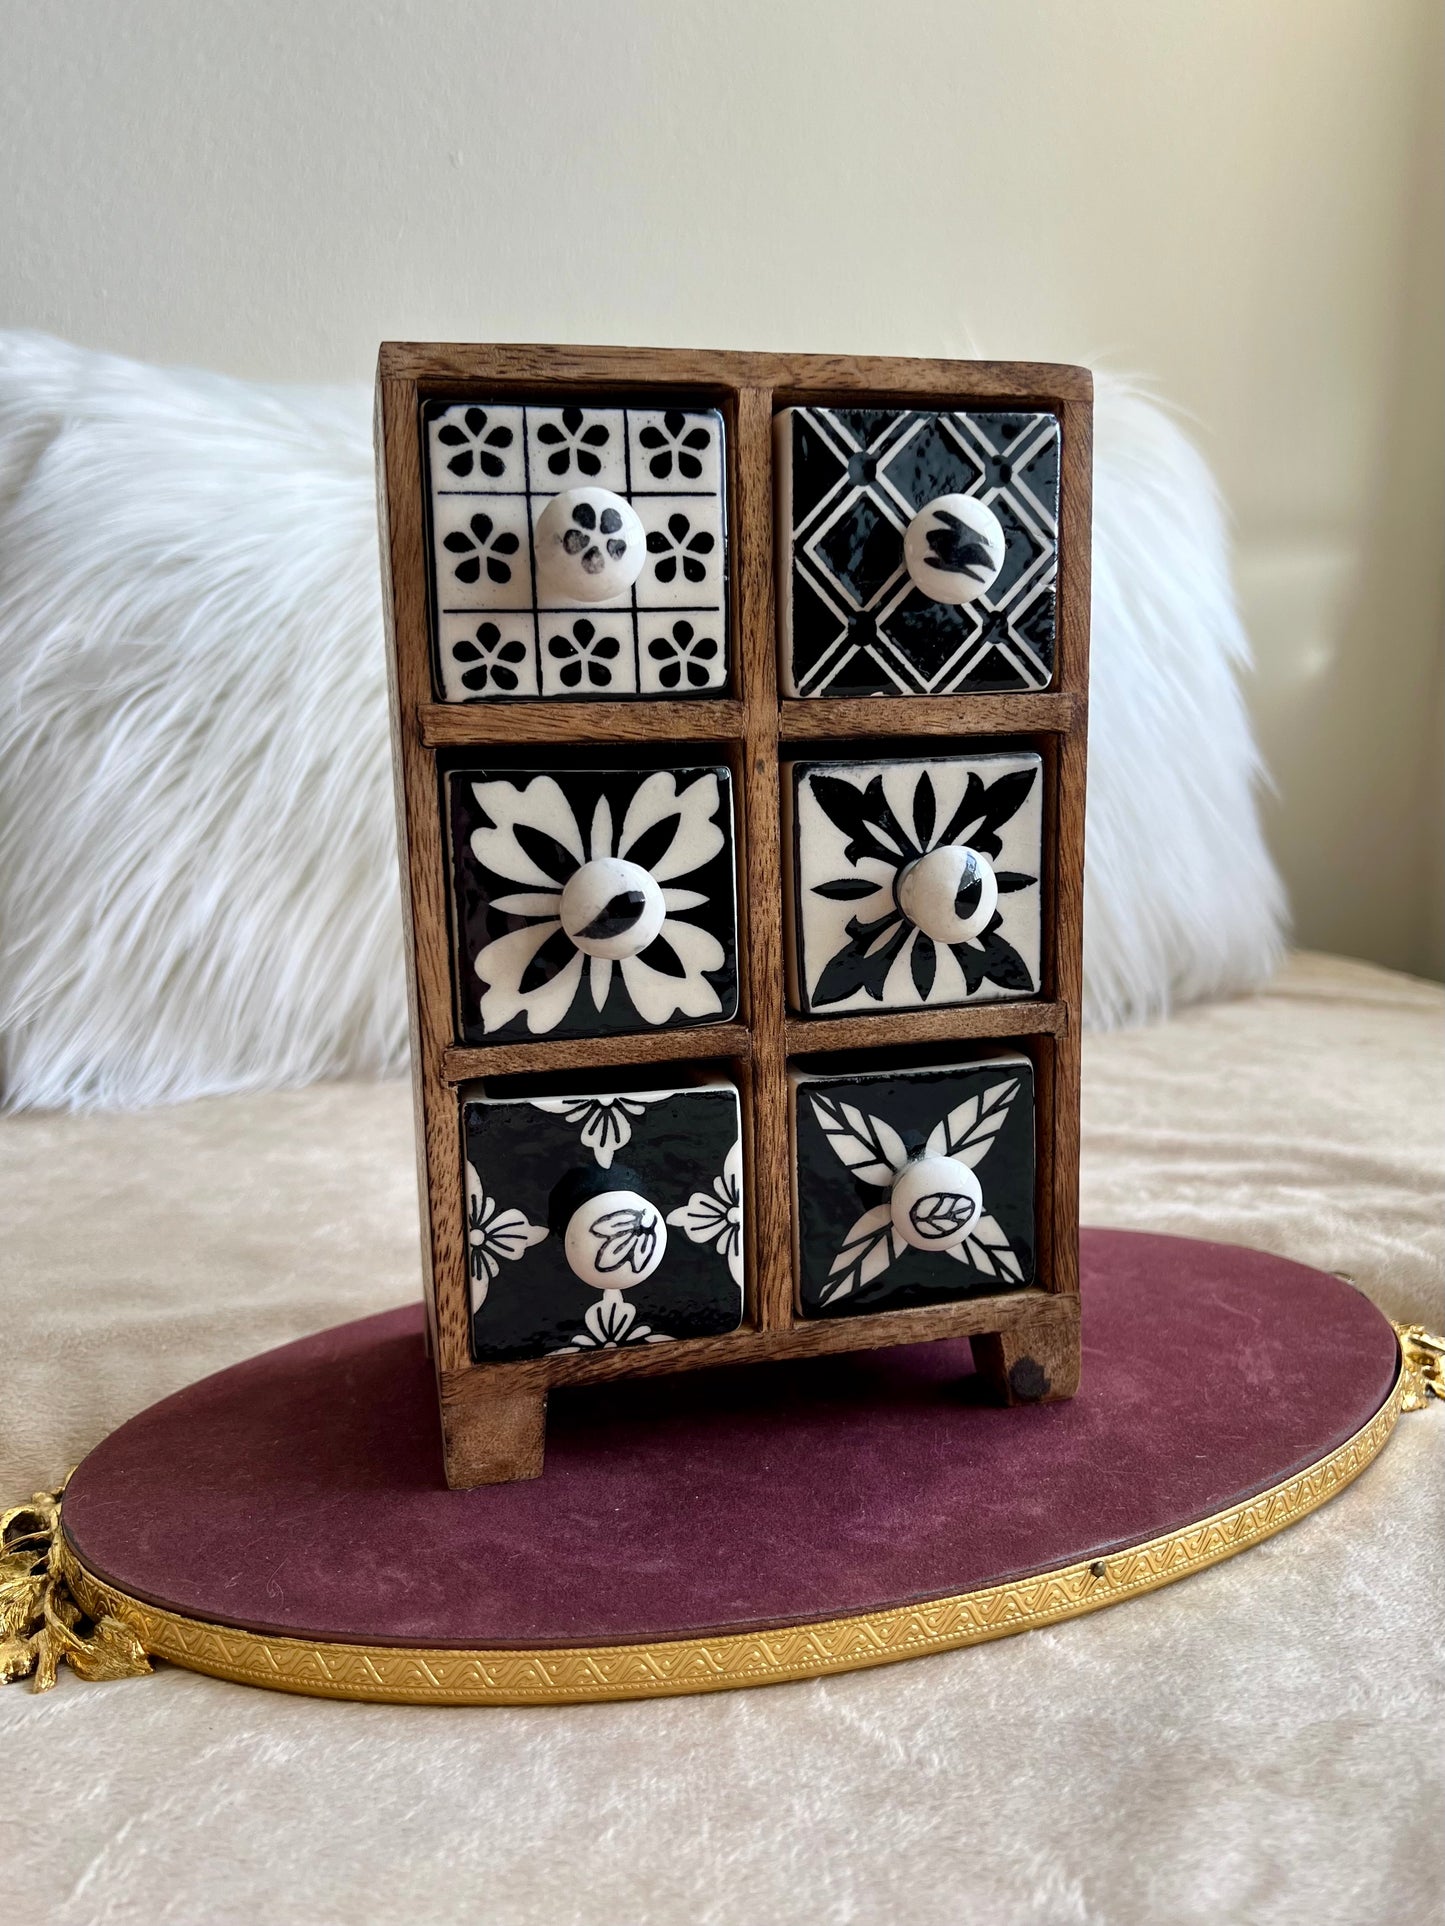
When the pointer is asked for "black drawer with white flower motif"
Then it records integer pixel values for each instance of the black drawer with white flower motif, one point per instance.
(587, 902)
(577, 551)
(602, 1217)
(913, 883)
(912, 1186)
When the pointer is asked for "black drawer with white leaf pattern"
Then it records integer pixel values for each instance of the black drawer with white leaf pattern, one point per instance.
(912, 1186)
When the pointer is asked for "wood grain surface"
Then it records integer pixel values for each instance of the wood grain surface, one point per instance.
(462, 1062)
(959, 1024)
(804, 1337)
(809, 718)
(772, 1241)
(525, 368)
(445, 725)
(1033, 1359)
(423, 873)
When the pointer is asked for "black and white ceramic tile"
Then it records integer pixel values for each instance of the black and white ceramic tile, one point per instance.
(912, 884)
(855, 621)
(504, 628)
(586, 901)
(595, 1222)
(912, 1186)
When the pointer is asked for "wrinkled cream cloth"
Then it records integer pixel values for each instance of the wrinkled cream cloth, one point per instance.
(1258, 1743)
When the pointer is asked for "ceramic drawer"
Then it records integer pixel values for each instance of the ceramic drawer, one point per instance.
(601, 1215)
(587, 902)
(577, 552)
(912, 1186)
(917, 550)
(912, 882)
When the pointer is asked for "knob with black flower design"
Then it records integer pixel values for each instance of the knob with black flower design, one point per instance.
(589, 546)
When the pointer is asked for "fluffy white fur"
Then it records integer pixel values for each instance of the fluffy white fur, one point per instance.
(1181, 900)
(198, 885)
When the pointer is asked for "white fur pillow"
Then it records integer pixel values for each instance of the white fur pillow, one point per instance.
(198, 887)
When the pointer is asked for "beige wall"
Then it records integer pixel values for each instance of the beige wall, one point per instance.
(1239, 198)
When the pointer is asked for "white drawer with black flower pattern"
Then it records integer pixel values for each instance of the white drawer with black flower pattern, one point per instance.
(912, 883)
(601, 1218)
(912, 1186)
(918, 550)
(589, 901)
(577, 552)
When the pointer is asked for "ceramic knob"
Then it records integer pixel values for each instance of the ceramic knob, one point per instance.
(950, 894)
(611, 908)
(954, 548)
(589, 545)
(936, 1201)
(615, 1240)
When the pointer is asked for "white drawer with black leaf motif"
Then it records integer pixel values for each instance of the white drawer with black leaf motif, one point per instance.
(912, 883)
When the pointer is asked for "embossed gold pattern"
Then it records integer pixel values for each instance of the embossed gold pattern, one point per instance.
(413, 1675)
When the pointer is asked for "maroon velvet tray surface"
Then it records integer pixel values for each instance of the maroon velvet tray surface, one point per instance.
(301, 1492)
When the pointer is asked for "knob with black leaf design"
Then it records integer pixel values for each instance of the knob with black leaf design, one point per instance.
(614, 1239)
(935, 1202)
(954, 548)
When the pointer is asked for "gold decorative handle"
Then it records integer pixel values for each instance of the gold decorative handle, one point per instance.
(1422, 1356)
(38, 1616)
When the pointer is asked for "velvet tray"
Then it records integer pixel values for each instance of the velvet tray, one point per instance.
(285, 1522)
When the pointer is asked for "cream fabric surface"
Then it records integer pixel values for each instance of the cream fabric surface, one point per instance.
(1259, 1743)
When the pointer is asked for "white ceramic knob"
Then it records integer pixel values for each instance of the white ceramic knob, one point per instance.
(950, 894)
(936, 1201)
(954, 548)
(589, 546)
(611, 908)
(615, 1240)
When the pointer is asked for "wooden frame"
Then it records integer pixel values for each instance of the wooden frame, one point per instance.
(493, 1416)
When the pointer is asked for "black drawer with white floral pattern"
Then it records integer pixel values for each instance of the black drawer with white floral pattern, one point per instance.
(591, 901)
(602, 1217)
(576, 551)
(912, 1186)
(913, 883)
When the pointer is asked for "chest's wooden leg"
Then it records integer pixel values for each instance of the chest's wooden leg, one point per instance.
(1035, 1362)
(495, 1438)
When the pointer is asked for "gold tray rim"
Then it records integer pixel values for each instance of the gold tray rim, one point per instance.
(570, 1675)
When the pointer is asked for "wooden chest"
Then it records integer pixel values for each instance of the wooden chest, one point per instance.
(739, 708)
